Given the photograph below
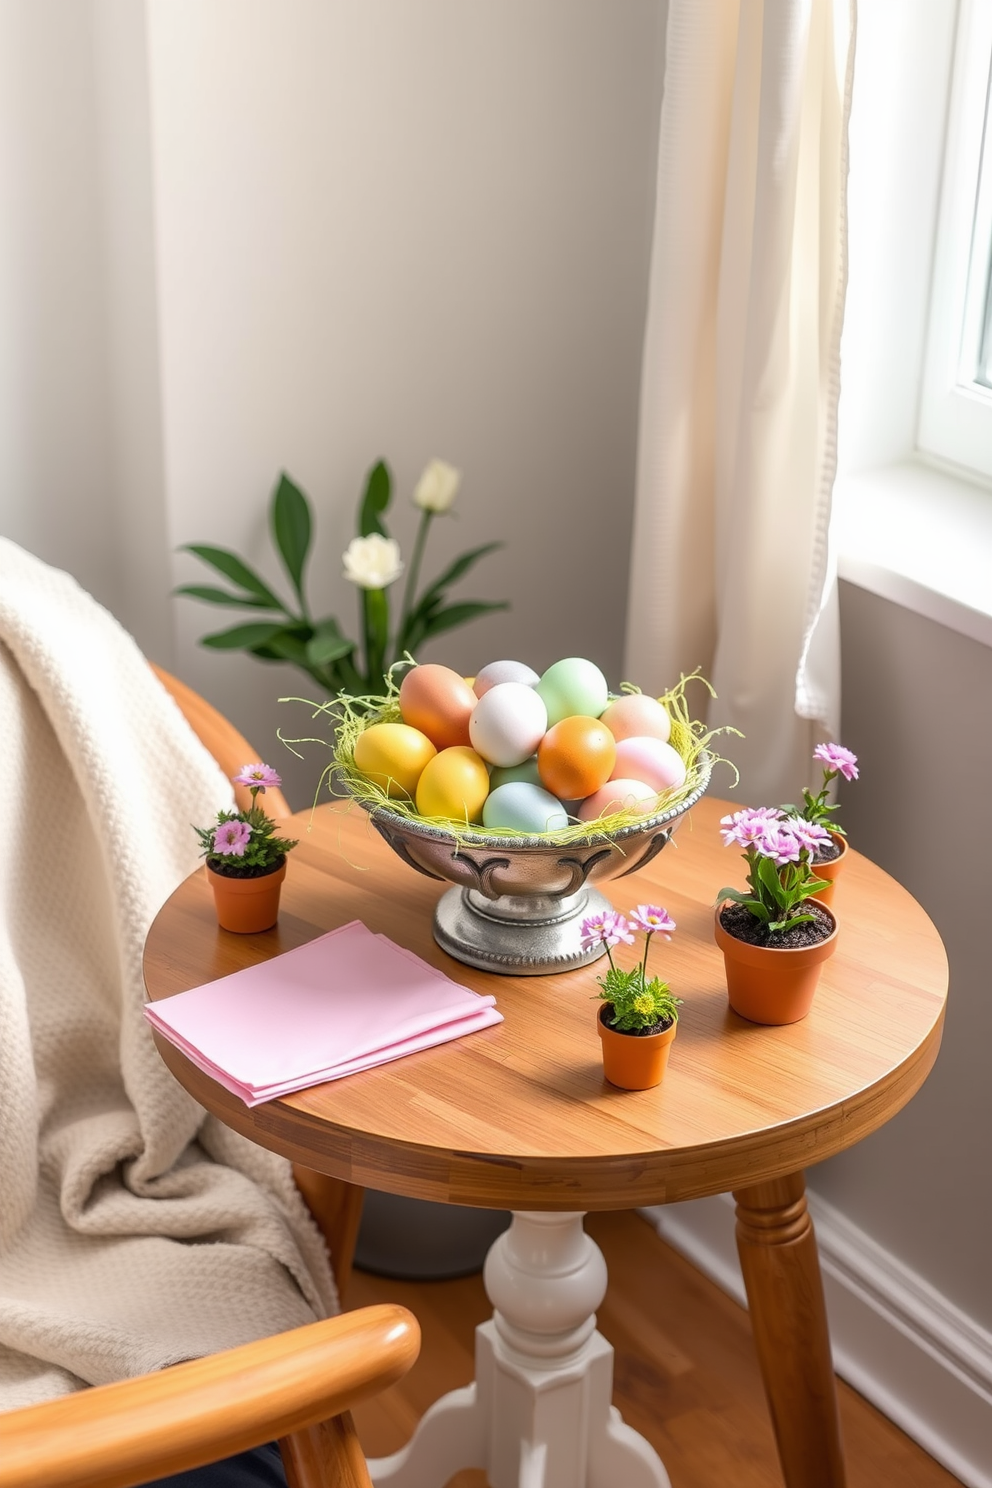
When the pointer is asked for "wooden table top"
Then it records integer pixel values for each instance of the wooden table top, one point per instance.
(519, 1115)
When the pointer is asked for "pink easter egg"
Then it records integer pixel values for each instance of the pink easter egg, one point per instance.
(618, 795)
(637, 716)
(650, 760)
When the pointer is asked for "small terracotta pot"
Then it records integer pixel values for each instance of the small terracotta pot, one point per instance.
(830, 871)
(634, 1061)
(769, 984)
(247, 905)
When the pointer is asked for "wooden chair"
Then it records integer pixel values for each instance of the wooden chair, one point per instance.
(298, 1386)
(335, 1205)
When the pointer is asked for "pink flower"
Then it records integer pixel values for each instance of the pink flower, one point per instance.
(653, 920)
(257, 777)
(781, 844)
(838, 760)
(608, 928)
(749, 833)
(808, 834)
(747, 827)
(231, 838)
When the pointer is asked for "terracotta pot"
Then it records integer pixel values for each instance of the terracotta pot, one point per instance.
(247, 905)
(632, 1061)
(767, 984)
(831, 871)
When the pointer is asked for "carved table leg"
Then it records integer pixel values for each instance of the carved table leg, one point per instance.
(781, 1268)
(539, 1412)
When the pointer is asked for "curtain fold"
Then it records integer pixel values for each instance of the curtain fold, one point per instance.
(730, 569)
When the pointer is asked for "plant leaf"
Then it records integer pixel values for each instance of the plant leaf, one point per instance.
(242, 637)
(290, 644)
(291, 527)
(328, 644)
(231, 566)
(220, 596)
(378, 494)
(454, 572)
(459, 614)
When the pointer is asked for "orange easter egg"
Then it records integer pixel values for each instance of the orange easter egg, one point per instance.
(575, 757)
(438, 702)
(455, 784)
(635, 715)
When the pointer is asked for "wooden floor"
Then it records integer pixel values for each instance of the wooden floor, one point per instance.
(685, 1374)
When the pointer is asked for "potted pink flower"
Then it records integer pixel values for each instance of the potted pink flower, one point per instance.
(246, 861)
(774, 935)
(830, 854)
(638, 1021)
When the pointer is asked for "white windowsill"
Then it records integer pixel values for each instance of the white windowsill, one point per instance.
(921, 537)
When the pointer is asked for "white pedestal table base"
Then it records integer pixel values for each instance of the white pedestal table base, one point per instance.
(539, 1412)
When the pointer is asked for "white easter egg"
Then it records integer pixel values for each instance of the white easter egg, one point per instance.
(507, 723)
(523, 808)
(504, 671)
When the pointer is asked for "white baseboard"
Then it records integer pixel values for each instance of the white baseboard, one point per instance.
(919, 1359)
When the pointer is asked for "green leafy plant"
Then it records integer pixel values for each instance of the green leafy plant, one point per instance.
(288, 631)
(243, 844)
(637, 1004)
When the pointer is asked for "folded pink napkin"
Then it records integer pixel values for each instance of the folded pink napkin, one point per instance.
(341, 1003)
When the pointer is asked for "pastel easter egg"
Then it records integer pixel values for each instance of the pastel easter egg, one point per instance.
(650, 760)
(455, 784)
(573, 686)
(393, 755)
(635, 715)
(507, 723)
(575, 757)
(618, 795)
(504, 671)
(439, 702)
(520, 807)
(527, 771)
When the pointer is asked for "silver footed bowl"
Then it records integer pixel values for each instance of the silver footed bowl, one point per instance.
(519, 903)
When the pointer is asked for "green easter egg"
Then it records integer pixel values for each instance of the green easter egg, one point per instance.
(573, 686)
(506, 774)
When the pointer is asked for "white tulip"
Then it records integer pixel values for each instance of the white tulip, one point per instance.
(373, 562)
(437, 487)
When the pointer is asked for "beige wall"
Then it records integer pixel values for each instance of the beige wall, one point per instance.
(407, 231)
(917, 708)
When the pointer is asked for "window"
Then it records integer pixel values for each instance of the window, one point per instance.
(955, 422)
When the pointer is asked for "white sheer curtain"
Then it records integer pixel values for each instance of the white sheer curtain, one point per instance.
(730, 567)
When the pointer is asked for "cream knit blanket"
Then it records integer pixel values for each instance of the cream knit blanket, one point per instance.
(135, 1231)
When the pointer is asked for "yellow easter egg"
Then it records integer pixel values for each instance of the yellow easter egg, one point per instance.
(455, 784)
(394, 756)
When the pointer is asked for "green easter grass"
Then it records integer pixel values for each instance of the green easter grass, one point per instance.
(351, 716)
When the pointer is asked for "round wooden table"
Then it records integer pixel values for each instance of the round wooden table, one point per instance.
(519, 1117)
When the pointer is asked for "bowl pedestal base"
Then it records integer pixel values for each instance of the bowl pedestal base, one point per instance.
(518, 934)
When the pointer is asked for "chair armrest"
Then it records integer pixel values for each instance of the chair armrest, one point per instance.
(229, 748)
(116, 1436)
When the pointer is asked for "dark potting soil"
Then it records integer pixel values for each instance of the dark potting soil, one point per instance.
(827, 853)
(240, 870)
(604, 1017)
(742, 925)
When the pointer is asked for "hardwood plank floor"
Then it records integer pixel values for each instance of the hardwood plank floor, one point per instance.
(686, 1375)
